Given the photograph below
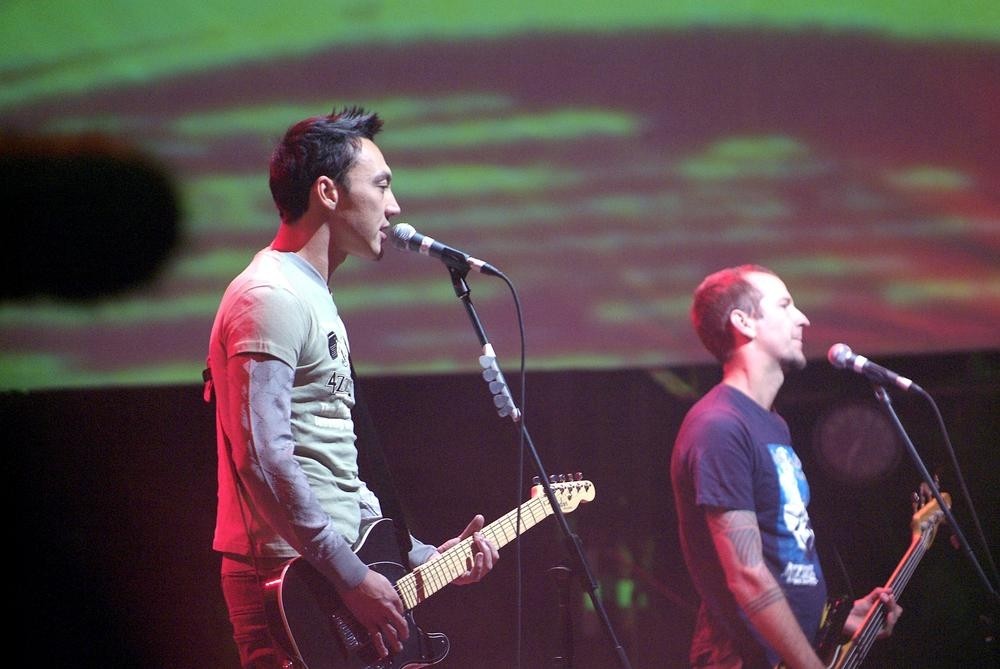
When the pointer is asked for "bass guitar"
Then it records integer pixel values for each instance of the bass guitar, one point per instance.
(830, 647)
(926, 520)
(314, 626)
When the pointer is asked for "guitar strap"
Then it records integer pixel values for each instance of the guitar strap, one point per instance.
(374, 469)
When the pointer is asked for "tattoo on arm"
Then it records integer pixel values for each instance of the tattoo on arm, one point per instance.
(760, 603)
(746, 543)
(737, 536)
(739, 546)
(740, 529)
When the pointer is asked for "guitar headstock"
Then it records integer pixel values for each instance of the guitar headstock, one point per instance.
(570, 490)
(927, 513)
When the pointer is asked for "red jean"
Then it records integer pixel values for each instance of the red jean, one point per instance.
(242, 589)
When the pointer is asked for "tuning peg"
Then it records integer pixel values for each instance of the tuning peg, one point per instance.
(578, 476)
(535, 480)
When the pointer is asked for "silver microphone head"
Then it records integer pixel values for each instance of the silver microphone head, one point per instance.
(838, 355)
(402, 233)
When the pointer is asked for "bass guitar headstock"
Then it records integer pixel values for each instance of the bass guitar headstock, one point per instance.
(927, 513)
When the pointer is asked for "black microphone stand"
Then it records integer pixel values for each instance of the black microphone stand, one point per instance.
(562, 655)
(505, 407)
(884, 399)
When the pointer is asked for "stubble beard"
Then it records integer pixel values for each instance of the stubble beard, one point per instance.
(794, 363)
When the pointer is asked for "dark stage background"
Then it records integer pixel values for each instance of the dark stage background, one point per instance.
(116, 501)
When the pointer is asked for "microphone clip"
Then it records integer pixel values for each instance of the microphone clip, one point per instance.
(502, 399)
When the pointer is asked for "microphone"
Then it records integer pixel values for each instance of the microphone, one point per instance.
(842, 357)
(406, 238)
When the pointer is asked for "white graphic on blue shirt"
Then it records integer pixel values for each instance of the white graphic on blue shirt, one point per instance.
(793, 521)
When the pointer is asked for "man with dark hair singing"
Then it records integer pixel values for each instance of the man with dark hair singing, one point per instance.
(740, 493)
(280, 367)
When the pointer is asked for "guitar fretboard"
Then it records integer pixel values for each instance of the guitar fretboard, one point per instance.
(861, 643)
(428, 578)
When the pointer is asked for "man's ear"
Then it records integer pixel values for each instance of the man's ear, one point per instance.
(742, 323)
(326, 192)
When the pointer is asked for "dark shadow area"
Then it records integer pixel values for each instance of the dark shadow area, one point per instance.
(88, 217)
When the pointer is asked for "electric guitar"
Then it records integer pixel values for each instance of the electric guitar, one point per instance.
(316, 629)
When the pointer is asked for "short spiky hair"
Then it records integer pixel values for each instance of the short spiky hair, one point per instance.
(315, 147)
(716, 298)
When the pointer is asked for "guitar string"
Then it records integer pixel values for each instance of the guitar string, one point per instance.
(873, 624)
(430, 577)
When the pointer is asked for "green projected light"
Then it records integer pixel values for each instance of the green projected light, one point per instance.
(606, 156)
(69, 46)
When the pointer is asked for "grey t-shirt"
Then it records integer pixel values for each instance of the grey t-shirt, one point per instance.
(280, 307)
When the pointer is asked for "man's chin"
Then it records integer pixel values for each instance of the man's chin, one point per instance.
(796, 364)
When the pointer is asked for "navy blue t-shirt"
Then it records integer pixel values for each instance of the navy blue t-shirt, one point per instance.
(732, 454)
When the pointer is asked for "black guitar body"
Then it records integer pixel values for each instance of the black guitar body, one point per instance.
(828, 639)
(311, 622)
(314, 626)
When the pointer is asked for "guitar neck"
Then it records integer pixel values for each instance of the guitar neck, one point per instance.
(428, 578)
(859, 645)
(865, 636)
